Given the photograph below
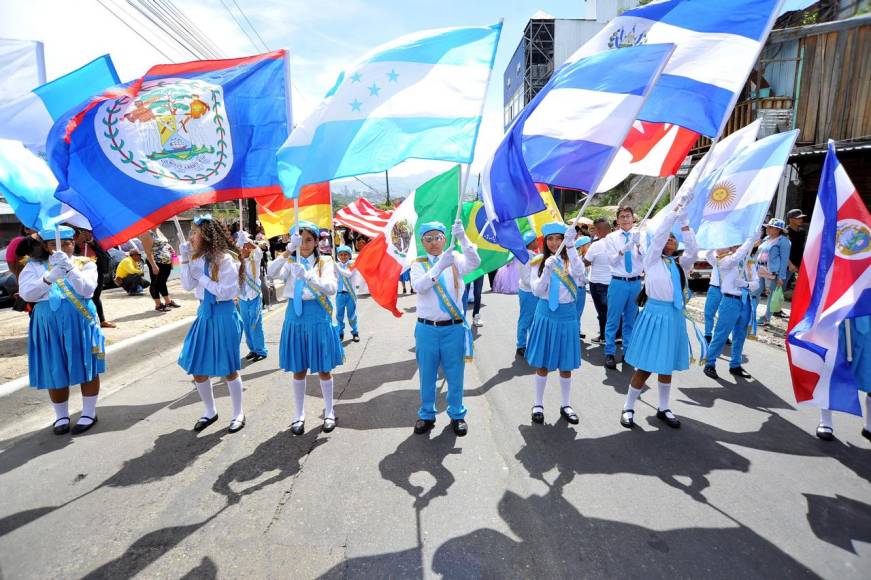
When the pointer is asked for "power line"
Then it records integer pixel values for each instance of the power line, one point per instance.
(242, 12)
(139, 34)
(147, 15)
(195, 30)
(182, 27)
(239, 24)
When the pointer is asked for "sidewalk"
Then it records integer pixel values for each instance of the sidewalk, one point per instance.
(773, 335)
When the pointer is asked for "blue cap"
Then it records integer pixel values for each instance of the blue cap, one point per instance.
(582, 241)
(308, 226)
(343, 249)
(430, 227)
(553, 228)
(66, 233)
(776, 223)
(529, 237)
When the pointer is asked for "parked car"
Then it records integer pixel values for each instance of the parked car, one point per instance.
(700, 275)
(8, 283)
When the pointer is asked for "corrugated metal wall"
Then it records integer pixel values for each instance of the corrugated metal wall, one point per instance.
(569, 35)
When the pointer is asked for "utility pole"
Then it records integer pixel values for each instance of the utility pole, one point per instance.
(387, 181)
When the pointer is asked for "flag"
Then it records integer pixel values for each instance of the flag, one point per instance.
(384, 258)
(716, 46)
(834, 284)
(713, 160)
(570, 131)
(28, 186)
(493, 256)
(29, 117)
(363, 217)
(730, 203)
(276, 213)
(181, 136)
(418, 96)
(549, 214)
(22, 67)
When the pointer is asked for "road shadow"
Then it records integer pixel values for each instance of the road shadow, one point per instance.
(207, 570)
(150, 313)
(518, 368)
(391, 410)
(752, 394)
(355, 383)
(839, 520)
(422, 453)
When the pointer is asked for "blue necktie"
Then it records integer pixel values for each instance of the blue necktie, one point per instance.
(627, 257)
(675, 283)
(553, 292)
(297, 290)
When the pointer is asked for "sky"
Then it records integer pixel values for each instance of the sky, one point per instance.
(322, 36)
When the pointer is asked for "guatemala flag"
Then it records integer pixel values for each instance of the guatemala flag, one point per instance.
(420, 96)
(29, 117)
(181, 136)
(568, 134)
(729, 204)
(834, 284)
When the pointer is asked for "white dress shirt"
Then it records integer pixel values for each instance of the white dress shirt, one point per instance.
(541, 282)
(733, 275)
(353, 276)
(226, 287)
(421, 280)
(526, 270)
(617, 242)
(600, 262)
(657, 275)
(32, 287)
(321, 276)
(252, 268)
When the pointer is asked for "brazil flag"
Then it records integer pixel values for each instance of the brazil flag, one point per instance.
(492, 255)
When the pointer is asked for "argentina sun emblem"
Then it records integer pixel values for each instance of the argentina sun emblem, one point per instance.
(174, 133)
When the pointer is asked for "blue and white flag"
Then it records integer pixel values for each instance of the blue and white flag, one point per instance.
(730, 203)
(29, 117)
(570, 132)
(419, 96)
(717, 44)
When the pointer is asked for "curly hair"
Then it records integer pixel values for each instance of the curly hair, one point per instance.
(216, 242)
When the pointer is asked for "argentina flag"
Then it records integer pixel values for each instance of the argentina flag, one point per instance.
(419, 96)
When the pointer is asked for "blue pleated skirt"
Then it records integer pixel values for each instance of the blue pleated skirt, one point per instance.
(553, 339)
(660, 343)
(211, 347)
(581, 301)
(60, 346)
(309, 341)
(860, 332)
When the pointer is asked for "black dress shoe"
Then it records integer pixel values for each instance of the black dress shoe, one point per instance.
(610, 362)
(521, 352)
(866, 434)
(236, 425)
(329, 424)
(204, 422)
(708, 338)
(740, 372)
(826, 433)
(342, 336)
(569, 415)
(672, 421)
(538, 416)
(250, 355)
(257, 357)
(297, 427)
(78, 429)
(61, 429)
(627, 418)
(460, 427)
(423, 426)
(711, 373)
(728, 342)
(583, 336)
(355, 337)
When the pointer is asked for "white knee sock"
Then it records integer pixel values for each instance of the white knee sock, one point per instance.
(868, 412)
(664, 395)
(631, 397)
(208, 396)
(826, 418)
(235, 388)
(327, 392)
(299, 399)
(89, 409)
(540, 383)
(62, 411)
(566, 388)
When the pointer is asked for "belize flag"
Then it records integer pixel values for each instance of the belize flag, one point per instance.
(181, 136)
(834, 284)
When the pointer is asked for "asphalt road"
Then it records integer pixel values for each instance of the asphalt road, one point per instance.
(743, 490)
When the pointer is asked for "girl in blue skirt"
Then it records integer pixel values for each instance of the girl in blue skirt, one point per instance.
(553, 338)
(65, 344)
(660, 343)
(309, 340)
(211, 347)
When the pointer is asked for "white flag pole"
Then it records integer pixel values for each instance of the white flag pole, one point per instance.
(631, 189)
(178, 229)
(656, 200)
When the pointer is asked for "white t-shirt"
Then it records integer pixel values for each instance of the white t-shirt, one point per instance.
(600, 263)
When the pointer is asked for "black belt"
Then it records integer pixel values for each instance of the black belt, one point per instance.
(761, 263)
(343, 292)
(732, 296)
(633, 279)
(439, 322)
(713, 285)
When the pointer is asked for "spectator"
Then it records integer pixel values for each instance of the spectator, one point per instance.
(600, 274)
(797, 238)
(772, 258)
(158, 254)
(130, 273)
(85, 245)
(325, 245)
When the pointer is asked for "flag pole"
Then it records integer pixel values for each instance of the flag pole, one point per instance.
(57, 237)
(631, 189)
(656, 200)
(178, 229)
(848, 338)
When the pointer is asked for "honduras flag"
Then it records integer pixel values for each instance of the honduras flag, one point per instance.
(717, 44)
(568, 134)
(420, 96)
(29, 117)
(729, 204)
(833, 288)
(181, 136)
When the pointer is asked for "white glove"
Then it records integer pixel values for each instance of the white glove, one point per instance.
(297, 271)
(294, 243)
(741, 283)
(636, 236)
(570, 236)
(445, 261)
(55, 273)
(458, 232)
(550, 263)
(60, 259)
(185, 251)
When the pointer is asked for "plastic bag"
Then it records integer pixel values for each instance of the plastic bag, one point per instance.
(777, 300)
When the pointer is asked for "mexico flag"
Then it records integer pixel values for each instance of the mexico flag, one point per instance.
(384, 259)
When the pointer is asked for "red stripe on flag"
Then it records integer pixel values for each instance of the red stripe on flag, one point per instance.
(679, 150)
(200, 66)
(381, 273)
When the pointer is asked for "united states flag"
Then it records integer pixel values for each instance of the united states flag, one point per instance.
(363, 217)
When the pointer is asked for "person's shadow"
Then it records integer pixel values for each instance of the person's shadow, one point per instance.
(420, 453)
